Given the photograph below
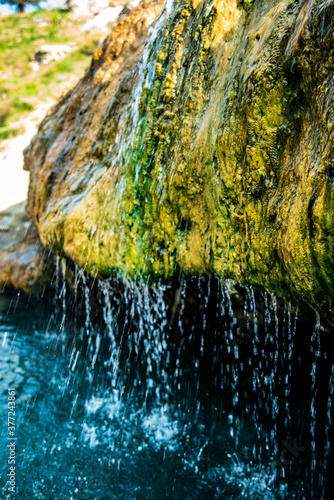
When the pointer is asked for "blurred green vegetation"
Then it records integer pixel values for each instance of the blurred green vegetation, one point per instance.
(22, 86)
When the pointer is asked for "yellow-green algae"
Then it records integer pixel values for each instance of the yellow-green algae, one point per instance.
(229, 169)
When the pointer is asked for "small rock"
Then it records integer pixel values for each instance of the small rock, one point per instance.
(48, 53)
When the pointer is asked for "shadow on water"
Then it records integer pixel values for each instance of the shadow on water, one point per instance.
(192, 390)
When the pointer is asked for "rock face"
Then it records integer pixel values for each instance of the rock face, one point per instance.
(208, 149)
(24, 263)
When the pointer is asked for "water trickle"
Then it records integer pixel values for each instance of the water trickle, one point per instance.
(146, 72)
(109, 319)
(56, 280)
(327, 447)
(256, 377)
(290, 340)
(232, 337)
(316, 351)
(62, 294)
(83, 281)
(146, 68)
(273, 374)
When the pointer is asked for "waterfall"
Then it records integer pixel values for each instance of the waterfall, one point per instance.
(223, 383)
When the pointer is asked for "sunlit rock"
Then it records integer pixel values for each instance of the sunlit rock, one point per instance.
(201, 140)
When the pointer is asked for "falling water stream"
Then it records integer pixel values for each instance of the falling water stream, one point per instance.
(197, 389)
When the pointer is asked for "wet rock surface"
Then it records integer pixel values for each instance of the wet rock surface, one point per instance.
(210, 150)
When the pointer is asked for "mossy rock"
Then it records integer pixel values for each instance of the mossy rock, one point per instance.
(212, 152)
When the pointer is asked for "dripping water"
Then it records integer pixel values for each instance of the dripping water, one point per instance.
(202, 377)
(316, 351)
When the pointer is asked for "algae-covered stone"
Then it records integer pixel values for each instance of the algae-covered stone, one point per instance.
(202, 140)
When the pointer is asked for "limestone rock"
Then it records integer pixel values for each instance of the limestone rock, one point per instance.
(24, 263)
(210, 150)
